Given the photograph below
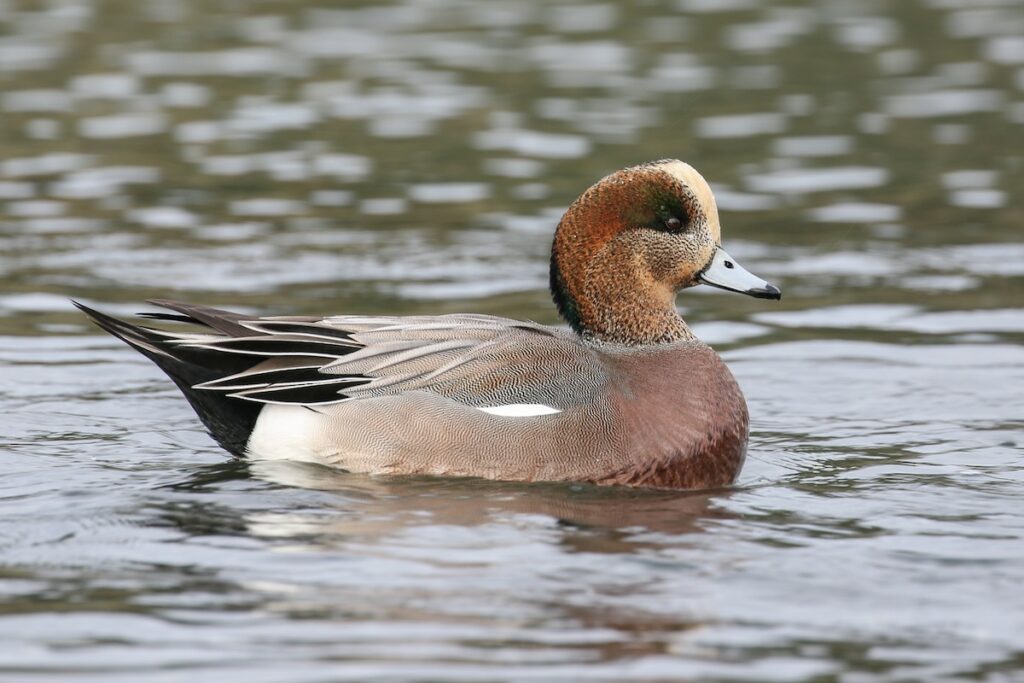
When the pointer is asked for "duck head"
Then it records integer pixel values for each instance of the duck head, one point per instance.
(629, 243)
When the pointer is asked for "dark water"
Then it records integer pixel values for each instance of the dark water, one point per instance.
(413, 157)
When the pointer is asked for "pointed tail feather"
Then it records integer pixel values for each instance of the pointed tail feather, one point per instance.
(229, 420)
(225, 322)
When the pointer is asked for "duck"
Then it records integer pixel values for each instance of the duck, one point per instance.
(626, 394)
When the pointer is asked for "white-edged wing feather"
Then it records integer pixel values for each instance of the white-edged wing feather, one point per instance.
(504, 367)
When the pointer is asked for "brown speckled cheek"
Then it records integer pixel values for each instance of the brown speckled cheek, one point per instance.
(662, 253)
(676, 259)
(700, 248)
(690, 264)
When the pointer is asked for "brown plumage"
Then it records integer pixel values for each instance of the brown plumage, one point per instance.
(628, 396)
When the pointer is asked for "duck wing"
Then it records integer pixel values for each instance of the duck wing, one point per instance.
(481, 361)
(478, 360)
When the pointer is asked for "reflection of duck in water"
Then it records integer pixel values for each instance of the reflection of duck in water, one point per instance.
(377, 509)
(372, 507)
(627, 396)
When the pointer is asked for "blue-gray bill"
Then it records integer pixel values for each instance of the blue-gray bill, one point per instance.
(723, 272)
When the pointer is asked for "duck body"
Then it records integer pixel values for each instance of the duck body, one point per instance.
(626, 396)
(528, 403)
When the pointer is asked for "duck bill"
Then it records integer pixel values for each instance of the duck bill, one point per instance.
(723, 272)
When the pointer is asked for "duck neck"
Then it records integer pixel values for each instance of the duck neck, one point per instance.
(610, 298)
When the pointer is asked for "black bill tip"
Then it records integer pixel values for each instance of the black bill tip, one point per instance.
(769, 291)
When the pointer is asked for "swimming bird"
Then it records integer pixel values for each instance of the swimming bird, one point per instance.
(626, 395)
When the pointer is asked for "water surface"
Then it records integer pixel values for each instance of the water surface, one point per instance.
(414, 157)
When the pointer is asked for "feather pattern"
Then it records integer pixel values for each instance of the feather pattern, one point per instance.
(477, 360)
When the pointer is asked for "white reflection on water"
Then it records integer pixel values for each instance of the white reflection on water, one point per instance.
(740, 125)
(235, 62)
(978, 198)
(533, 143)
(443, 193)
(943, 103)
(36, 101)
(13, 190)
(799, 181)
(813, 146)
(856, 212)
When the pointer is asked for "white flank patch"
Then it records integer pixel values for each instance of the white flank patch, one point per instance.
(286, 432)
(521, 410)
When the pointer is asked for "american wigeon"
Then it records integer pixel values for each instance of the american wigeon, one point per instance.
(628, 395)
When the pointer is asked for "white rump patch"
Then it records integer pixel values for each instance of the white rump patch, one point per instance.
(521, 410)
(286, 432)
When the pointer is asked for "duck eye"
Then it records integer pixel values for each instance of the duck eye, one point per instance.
(673, 223)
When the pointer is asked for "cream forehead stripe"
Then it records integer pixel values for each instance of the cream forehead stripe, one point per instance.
(695, 181)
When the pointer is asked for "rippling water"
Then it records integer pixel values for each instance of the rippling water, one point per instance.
(413, 157)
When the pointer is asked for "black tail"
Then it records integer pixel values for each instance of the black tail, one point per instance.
(229, 420)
